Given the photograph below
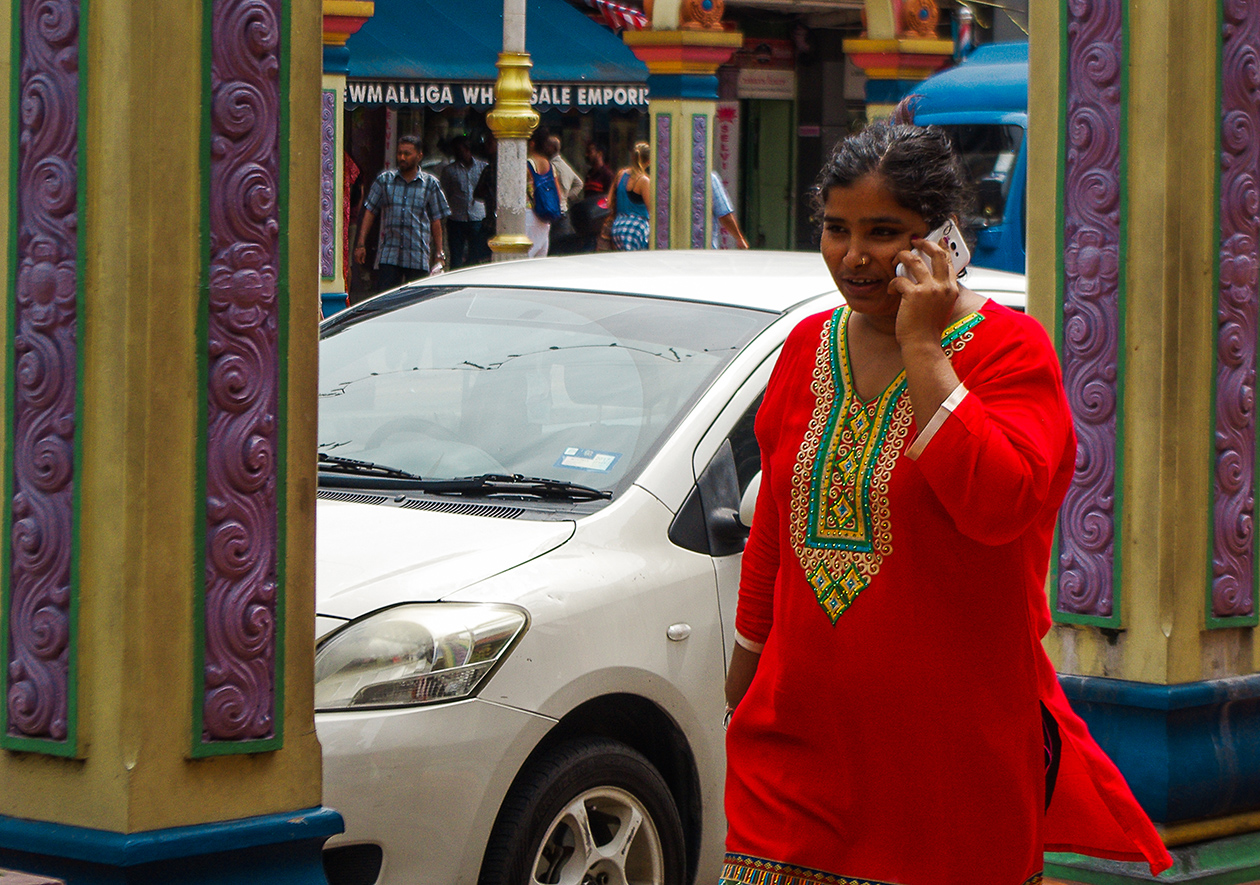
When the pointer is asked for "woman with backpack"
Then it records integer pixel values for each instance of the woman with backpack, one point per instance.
(629, 207)
(542, 196)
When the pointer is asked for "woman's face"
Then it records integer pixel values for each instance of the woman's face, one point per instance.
(863, 230)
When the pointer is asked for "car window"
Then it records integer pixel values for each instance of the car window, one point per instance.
(744, 445)
(576, 386)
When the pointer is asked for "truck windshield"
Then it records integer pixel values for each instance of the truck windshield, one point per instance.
(989, 152)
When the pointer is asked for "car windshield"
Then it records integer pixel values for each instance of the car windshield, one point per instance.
(574, 386)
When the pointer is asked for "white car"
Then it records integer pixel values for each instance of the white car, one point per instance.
(528, 547)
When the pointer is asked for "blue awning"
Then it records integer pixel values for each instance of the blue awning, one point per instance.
(442, 53)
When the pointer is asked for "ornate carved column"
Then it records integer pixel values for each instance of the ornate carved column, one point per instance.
(682, 62)
(158, 575)
(1146, 275)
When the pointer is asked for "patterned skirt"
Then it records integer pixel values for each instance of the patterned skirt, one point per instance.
(630, 232)
(740, 869)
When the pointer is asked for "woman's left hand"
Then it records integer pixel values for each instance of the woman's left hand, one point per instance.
(928, 295)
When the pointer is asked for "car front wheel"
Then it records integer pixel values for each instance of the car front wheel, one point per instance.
(590, 812)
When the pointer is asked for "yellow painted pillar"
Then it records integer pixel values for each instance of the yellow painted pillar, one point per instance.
(160, 212)
(341, 19)
(682, 68)
(1142, 257)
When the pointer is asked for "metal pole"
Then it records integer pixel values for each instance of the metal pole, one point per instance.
(512, 121)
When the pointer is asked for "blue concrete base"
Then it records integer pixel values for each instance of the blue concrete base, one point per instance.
(1231, 861)
(280, 849)
(331, 302)
(1189, 752)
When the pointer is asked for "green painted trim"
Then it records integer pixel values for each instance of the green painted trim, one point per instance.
(202, 748)
(203, 383)
(6, 483)
(1122, 362)
(1210, 621)
(1060, 274)
(70, 746)
(1113, 620)
(282, 355)
(81, 331)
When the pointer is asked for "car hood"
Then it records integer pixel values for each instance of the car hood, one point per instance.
(369, 556)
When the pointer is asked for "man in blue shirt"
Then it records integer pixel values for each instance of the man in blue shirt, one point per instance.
(411, 206)
(724, 215)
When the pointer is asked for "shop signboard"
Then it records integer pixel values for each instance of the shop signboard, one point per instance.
(479, 95)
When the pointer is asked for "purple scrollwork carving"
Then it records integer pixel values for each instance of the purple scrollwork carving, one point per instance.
(699, 182)
(244, 377)
(327, 185)
(1233, 506)
(45, 356)
(1091, 302)
(664, 159)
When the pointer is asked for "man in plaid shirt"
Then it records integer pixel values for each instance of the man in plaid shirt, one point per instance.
(411, 205)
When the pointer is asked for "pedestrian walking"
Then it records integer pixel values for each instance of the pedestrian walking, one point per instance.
(895, 718)
(724, 215)
(411, 207)
(466, 223)
(542, 194)
(629, 208)
(564, 238)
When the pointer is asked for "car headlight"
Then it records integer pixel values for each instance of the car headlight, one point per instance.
(414, 654)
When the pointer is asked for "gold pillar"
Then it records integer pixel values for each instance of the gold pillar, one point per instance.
(127, 758)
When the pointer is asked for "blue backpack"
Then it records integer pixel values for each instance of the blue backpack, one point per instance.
(546, 195)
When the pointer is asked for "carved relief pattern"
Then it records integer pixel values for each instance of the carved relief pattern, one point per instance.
(327, 185)
(699, 186)
(1233, 511)
(664, 157)
(45, 352)
(1091, 303)
(243, 395)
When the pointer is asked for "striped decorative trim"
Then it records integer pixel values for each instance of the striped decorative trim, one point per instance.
(241, 607)
(740, 869)
(39, 589)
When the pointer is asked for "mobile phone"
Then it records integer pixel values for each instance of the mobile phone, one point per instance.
(946, 235)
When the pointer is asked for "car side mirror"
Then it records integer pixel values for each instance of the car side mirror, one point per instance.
(748, 503)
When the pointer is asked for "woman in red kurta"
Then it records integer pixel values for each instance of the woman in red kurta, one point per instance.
(895, 717)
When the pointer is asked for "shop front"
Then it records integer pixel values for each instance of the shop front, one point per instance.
(427, 68)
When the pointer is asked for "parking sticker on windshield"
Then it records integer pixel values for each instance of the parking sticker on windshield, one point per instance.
(588, 459)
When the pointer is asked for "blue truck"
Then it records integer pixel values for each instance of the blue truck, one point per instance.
(983, 103)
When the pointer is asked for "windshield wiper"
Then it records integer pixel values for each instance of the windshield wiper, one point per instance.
(501, 484)
(354, 467)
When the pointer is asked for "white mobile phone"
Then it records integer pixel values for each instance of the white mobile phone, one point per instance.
(946, 235)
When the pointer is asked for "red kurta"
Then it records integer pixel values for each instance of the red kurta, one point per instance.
(893, 731)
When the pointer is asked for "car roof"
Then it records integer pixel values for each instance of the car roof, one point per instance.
(754, 278)
(760, 279)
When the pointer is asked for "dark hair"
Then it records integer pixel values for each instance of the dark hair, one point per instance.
(460, 140)
(539, 138)
(413, 140)
(918, 163)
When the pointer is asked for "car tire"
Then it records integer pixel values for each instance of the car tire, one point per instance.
(591, 810)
